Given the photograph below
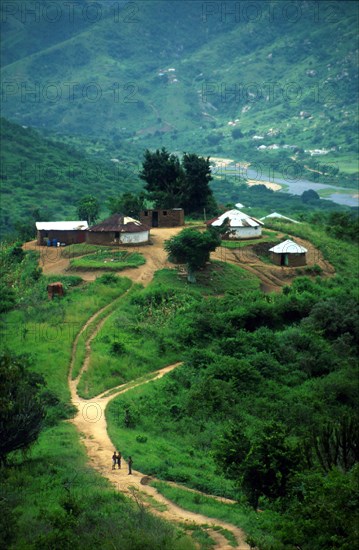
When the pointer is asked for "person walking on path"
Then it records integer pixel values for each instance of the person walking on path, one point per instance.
(114, 459)
(130, 461)
(119, 456)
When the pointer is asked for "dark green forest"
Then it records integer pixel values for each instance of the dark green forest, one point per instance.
(261, 63)
(43, 180)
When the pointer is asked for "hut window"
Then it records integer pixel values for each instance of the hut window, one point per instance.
(165, 212)
(117, 235)
(146, 213)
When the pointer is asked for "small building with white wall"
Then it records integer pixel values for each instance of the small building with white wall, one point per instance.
(240, 225)
(118, 229)
(289, 254)
(68, 232)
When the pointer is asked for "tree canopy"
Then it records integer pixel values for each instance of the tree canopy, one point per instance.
(88, 209)
(21, 412)
(173, 183)
(309, 195)
(193, 248)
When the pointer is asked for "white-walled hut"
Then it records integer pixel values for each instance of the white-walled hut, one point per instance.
(118, 229)
(240, 225)
(68, 232)
(289, 254)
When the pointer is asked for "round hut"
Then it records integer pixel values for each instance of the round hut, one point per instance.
(118, 229)
(240, 225)
(289, 254)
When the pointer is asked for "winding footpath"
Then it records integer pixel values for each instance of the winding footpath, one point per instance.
(91, 424)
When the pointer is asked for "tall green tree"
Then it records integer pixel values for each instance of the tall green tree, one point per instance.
(21, 411)
(171, 183)
(88, 209)
(193, 249)
(165, 178)
(198, 176)
(262, 465)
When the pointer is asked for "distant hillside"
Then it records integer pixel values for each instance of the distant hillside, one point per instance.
(43, 179)
(229, 76)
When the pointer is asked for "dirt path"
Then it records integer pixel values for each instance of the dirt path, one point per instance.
(272, 277)
(91, 424)
(90, 419)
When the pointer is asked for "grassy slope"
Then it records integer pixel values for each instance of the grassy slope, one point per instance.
(172, 456)
(136, 108)
(55, 472)
(147, 344)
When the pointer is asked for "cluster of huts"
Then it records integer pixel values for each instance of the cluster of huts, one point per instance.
(241, 226)
(119, 229)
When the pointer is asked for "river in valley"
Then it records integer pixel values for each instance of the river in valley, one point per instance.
(340, 195)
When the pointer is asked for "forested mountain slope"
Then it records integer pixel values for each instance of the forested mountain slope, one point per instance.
(43, 179)
(183, 70)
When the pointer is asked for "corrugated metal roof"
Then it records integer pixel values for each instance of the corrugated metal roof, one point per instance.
(236, 219)
(61, 226)
(119, 223)
(288, 247)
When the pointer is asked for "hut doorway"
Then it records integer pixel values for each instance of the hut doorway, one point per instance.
(284, 260)
(154, 218)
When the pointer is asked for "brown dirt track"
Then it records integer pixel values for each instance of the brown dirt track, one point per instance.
(90, 420)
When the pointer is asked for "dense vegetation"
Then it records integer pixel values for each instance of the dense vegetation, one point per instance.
(171, 182)
(263, 410)
(49, 496)
(44, 179)
(265, 406)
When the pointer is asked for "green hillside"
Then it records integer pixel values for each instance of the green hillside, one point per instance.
(236, 396)
(43, 179)
(284, 72)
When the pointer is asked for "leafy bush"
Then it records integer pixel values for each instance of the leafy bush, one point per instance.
(7, 298)
(107, 279)
(117, 348)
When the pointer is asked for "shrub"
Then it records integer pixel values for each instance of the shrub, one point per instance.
(107, 279)
(117, 348)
